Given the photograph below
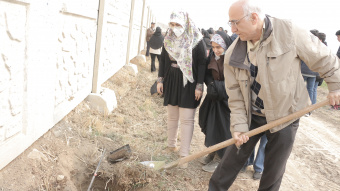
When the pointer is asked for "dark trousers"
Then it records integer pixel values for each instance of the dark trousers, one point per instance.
(259, 159)
(147, 48)
(277, 151)
(153, 59)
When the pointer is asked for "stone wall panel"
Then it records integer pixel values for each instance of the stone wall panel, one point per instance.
(47, 58)
(12, 68)
(114, 38)
(5, 112)
(76, 56)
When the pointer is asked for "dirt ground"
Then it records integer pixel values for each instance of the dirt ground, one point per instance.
(72, 148)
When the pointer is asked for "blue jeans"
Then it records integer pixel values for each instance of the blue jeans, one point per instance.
(311, 88)
(258, 163)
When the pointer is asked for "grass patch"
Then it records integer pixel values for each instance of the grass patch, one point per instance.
(324, 85)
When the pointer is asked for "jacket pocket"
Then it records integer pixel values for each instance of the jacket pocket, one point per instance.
(243, 80)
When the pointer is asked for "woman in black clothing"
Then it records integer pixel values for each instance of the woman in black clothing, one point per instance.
(156, 43)
(206, 39)
(180, 78)
(214, 113)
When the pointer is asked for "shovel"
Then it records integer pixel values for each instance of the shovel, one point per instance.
(251, 133)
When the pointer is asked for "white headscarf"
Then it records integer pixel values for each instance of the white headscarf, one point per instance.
(180, 48)
(219, 40)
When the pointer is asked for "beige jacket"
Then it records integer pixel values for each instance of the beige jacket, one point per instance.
(149, 33)
(278, 58)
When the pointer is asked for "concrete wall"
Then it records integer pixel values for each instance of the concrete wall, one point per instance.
(47, 51)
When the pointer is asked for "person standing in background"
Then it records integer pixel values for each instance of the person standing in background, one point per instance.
(259, 159)
(206, 39)
(156, 43)
(211, 32)
(319, 80)
(310, 77)
(322, 37)
(149, 33)
(233, 36)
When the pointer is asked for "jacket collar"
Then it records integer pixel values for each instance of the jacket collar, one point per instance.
(217, 65)
(240, 51)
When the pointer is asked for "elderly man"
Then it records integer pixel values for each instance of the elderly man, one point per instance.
(264, 83)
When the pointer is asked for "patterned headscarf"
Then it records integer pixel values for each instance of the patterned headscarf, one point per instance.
(219, 40)
(181, 48)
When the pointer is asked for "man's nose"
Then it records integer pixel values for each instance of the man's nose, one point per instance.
(233, 28)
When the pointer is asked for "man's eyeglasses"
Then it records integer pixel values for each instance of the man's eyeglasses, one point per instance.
(234, 22)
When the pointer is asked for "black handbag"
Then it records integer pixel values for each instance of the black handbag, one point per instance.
(211, 91)
(216, 90)
(153, 89)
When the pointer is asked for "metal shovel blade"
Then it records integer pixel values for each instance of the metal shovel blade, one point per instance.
(154, 164)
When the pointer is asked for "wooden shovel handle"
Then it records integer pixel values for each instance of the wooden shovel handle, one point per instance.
(251, 133)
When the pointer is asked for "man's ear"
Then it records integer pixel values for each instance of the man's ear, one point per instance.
(254, 18)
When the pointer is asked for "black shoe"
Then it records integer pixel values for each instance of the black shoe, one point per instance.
(211, 166)
(257, 175)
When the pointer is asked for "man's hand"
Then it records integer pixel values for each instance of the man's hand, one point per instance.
(334, 98)
(240, 139)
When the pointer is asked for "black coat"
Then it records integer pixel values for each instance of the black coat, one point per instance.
(206, 38)
(306, 71)
(214, 113)
(207, 42)
(156, 40)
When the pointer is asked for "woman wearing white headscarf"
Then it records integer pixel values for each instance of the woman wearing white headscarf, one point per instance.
(180, 78)
(214, 113)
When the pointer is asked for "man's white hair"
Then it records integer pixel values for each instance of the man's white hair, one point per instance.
(250, 6)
